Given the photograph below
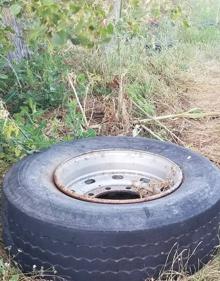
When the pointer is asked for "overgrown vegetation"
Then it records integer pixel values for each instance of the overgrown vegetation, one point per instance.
(90, 73)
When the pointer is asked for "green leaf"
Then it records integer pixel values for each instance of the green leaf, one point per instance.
(135, 3)
(74, 8)
(3, 76)
(47, 2)
(60, 38)
(186, 23)
(81, 78)
(110, 28)
(14, 277)
(15, 9)
(176, 13)
(89, 133)
(82, 40)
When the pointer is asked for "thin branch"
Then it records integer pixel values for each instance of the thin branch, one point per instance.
(189, 115)
(77, 99)
(85, 99)
(152, 133)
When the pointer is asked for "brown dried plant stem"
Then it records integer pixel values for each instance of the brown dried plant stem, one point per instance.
(189, 115)
(70, 79)
(176, 138)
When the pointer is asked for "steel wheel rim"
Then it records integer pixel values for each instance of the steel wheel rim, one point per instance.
(117, 176)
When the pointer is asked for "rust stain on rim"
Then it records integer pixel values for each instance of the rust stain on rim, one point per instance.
(117, 176)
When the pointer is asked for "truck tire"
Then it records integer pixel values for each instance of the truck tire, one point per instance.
(81, 240)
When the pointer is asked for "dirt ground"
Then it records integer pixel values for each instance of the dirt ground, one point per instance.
(203, 135)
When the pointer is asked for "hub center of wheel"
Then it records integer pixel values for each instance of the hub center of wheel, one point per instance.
(118, 176)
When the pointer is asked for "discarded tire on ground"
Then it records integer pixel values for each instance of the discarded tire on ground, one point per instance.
(112, 208)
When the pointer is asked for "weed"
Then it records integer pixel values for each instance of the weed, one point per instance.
(7, 272)
(41, 79)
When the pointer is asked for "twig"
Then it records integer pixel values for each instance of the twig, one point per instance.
(92, 112)
(121, 101)
(152, 133)
(85, 99)
(179, 115)
(77, 99)
(159, 123)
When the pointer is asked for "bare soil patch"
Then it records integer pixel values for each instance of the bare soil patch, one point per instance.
(203, 134)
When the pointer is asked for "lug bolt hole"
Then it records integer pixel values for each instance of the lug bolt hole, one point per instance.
(145, 180)
(108, 188)
(117, 177)
(89, 181)
(128, 187)
(91, 194)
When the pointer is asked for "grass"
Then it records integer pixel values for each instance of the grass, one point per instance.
(77, 92)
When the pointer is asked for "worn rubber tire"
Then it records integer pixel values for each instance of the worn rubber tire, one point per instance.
(87, 241)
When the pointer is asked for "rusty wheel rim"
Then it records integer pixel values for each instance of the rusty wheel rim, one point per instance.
(117, 176)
